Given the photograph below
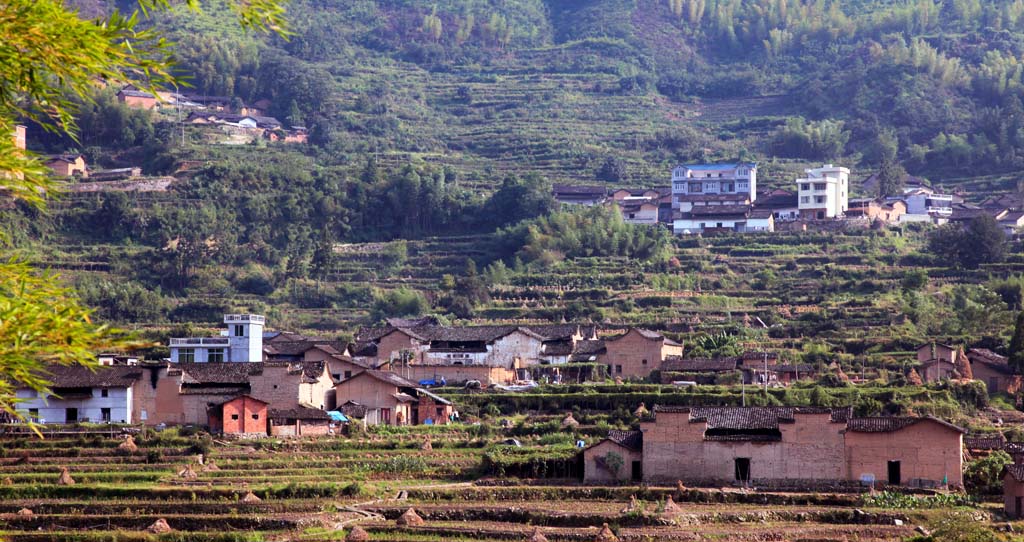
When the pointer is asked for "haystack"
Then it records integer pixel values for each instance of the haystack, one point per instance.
(427, 446)
(65, 478)
(357, 534)
(188, 473)
(537, 536)
(128, 446)
(26, 512)
(671, 507)
(569, 421)
(633, 506)
(605, 535)
(618, 381)
(641, 411)
(251, 498)
(410, 519)
(914, 378)
(210, 467)
(159, 526)
(680, 488)
(8, 481)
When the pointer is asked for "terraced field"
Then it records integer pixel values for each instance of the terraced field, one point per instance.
(321, 489)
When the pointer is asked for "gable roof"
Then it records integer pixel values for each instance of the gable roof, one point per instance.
(77, 376)
(245, 396)
(1016, 471)
(994, 441)
(990, 359)
(751, 418)
(888, 424)
(219, 373)
(383, 376)
(300, 413)
(633, 440)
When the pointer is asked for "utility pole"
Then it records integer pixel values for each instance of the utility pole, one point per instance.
(766, 374)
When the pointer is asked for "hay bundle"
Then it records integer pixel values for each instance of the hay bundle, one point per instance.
(605, 535)
(914, 378)
(159, 526)
(128, 446)
(410, 519)
(537, 536)
(632, 507)
(569, 422)
(427, 446)
(251, 498)
(210, 467)
(25, 512)
(680, 488)
(671, 507)
(8, 481)
(641, 411)
(188, 473)
(65, 478)
(357, 534)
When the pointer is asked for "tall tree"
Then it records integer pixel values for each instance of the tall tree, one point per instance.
(1016, 349)
(890, 178)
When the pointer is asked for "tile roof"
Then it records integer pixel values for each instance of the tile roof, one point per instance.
(892, 423)
(1017, 471)
(578, 190)
(595, 346)
(673, 363)
(298, 414)
(558, 348)
(77, 376)
(384, 376)
(989, 358)
(994, 441)
(218, 373)
(751, 418)
(632, 440)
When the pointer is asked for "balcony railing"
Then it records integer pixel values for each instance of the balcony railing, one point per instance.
(255, 318)
(204, 341)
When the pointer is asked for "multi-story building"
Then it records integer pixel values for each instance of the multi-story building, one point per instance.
(690, 181)
(242, 342)
(824, 193)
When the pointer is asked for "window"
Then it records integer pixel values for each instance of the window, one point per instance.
(105, 414)
(819, 186)
(819, 199)
(104, 392)
(215, 355)
(644, 362)
(709, 175)
(336, 376)
(239, 330)
(703, 225)
(805, 199)
(33, 414)
(618, 369)
(348, 374)
(720, 175)
(234, 416)
(719, 225)
(695, 187)
(255, 416)
(632, 215)
(187, 355)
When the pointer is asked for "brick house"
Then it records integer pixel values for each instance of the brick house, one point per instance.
(243, 415)
(390, 399)
(879, 208)
(699, 370)
(79, 394)
(937, 361)
(637, 352)
(795, 445)
(599, 465)
(1013, 491)
(136, 99)
(994, 370)
(299, 422)
(67, 165)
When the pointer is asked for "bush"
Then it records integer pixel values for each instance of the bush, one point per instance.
(984, 476)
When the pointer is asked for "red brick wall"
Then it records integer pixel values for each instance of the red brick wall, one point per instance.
(251, 416)
(926, 450)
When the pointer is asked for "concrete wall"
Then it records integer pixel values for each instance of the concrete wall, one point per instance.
(53, 409)
(244, 416)
(926, 450)
(594, 472)
(675, 449)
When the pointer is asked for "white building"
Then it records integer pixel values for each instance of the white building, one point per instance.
(737, 218)
(708, 179)
(242, 342)
(82, 395)
(824, 193)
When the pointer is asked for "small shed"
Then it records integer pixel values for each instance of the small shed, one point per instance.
(242, 415)
(297, 422)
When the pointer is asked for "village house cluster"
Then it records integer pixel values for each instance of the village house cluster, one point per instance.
(709, 198)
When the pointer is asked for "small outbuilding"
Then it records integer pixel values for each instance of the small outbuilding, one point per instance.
(297, 422)
(617, 458)
(1013, 491)
(242, 415)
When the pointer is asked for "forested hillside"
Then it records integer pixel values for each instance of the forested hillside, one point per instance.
(437, 127)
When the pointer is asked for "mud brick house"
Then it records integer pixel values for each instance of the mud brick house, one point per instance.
(337, 354)
(80, 394)
(243, 415)
(299, 422)
(67, 165)
(700, 370)
(637, 352)
(982, 445)
(490, 354)
(994, 370)
(579, 195)
(617, 458)
(389, 399)
(937, 361)
(794, 446)
(1013, 491)
(136, 99)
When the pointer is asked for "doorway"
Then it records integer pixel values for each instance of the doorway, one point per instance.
(1017, 507)
(638, 471)
(894, 473)
(71, 415)
(743, 469)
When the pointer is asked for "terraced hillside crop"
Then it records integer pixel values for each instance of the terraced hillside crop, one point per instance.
(321, 489)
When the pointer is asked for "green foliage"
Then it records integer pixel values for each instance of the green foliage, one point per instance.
(960, 526)
(892, 499)
(984, 476)
(981, 241)
(399, 302)
(821, 140)
(1016, 349)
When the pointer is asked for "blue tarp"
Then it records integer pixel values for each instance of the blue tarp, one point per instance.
(337, 416)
